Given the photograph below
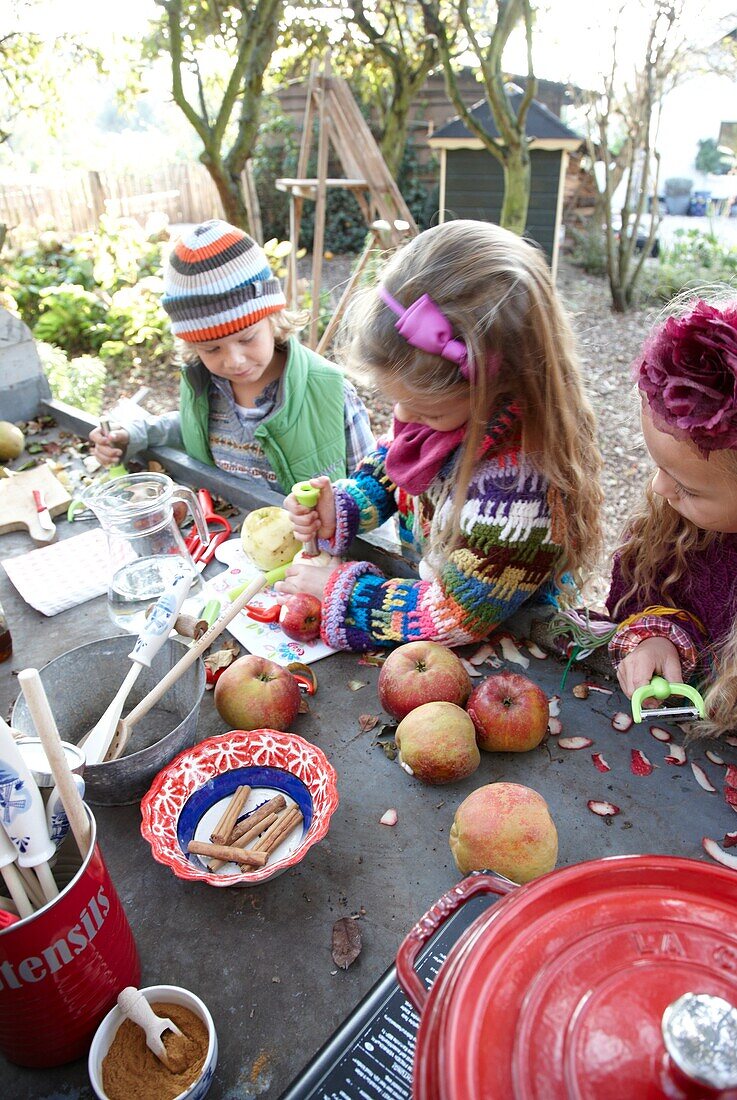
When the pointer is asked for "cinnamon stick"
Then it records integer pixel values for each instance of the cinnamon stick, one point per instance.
(227, 853)
(244, 838)
(281, 828)
(273, 806)
(223, 829)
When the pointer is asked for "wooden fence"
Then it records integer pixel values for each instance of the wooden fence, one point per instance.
(74, 201)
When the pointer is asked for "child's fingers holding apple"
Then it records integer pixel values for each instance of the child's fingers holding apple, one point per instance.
(303, 577)
(654, 656)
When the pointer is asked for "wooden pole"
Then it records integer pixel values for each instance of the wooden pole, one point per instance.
(318, 239)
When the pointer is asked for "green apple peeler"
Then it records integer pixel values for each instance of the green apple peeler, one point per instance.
(662, 689)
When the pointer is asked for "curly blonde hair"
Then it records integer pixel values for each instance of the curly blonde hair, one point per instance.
(657, 534)
(497, 293)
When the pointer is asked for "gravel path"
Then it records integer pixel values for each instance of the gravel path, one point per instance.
(608, 342)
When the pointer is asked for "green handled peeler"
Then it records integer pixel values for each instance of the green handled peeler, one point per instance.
(661, 689)
(308, 496)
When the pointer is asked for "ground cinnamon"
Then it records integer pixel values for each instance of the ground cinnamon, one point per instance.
(130, 1071)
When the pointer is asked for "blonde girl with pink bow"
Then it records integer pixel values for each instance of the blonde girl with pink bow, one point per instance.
(491, 468)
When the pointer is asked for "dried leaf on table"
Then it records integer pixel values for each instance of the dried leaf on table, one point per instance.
(388, 748)
(222, 658)
(346, 942)
(356, 685)
(367, 722)
(304, 706)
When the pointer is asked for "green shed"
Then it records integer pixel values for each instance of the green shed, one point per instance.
(471, 179)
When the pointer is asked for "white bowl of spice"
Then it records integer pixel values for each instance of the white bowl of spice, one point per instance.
(121, 1065)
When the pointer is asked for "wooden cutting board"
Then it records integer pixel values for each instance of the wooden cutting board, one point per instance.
(17, 507)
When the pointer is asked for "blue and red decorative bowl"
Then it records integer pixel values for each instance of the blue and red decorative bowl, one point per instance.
(187, 799)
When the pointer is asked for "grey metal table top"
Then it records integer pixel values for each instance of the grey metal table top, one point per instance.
(260, 958)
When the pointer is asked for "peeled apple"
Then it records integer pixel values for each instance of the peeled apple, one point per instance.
(268, 538)
(323, 558)
(12, 440)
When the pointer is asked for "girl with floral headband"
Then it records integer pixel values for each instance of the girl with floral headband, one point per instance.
(492, 466)
(674, 583)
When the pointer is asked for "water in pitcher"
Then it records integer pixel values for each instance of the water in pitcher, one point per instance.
(137, 585)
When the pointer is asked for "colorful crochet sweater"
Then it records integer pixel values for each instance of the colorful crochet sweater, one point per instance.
(506, 554)
(705, 600)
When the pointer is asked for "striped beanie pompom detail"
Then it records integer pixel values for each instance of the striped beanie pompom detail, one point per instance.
(218, 281)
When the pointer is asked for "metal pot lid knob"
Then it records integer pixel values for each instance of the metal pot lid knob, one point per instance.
(700, 1035)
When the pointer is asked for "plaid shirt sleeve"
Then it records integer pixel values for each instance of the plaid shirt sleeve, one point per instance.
(359, 439)
(639, 629)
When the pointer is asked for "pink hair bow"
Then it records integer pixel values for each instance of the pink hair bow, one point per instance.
(425, 326)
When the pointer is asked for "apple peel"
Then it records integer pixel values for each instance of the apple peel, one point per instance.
(575, 742)
(712, 849)
(534, 649)
(389, 818)
(714, 757)
(676, 755)
(555, 726)
(639, 763)
(702, 778)
(730, 777)
(554, 706)
(602, 809)
(469, 667)
(482, 654)
(511, 653)
(660, 734)
(599, 762)
(621, 722)
(730, 840)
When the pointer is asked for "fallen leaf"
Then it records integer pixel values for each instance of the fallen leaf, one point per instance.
(346, 942)
(304, 706)
(389, 749)
(222, 658)
(356, 685)
(367, 722)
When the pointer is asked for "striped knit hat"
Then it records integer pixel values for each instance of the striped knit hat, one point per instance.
(217, 281)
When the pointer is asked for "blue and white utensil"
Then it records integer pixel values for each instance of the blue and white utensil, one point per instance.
(22, 814)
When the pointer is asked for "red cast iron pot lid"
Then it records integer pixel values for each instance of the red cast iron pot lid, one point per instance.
(559, 990)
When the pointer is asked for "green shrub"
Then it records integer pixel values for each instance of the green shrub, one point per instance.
(693, 260)
(589, 249)
(71, 317)
(79, 381)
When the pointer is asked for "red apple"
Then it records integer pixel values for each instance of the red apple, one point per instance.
(507, 828)
(437, 743)
(254, 693)
(510, 713)
(300, 617)
(421, 672)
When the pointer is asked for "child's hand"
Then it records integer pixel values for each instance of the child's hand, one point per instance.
(318, 522)
(303, 577)
(654, 656)
(109, 448)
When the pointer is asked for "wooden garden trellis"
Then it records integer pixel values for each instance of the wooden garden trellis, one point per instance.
(340, 124)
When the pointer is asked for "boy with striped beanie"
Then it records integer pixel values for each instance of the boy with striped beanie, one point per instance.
(253, 400)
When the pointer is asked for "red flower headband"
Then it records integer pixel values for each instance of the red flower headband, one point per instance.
(688, 373)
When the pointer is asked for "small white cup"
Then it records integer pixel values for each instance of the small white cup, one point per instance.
(171, 994)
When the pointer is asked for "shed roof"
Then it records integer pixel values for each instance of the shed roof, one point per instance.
(541, 125)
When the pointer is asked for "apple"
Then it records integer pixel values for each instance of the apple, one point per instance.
(267, 536)
(437, 743)
(421, 672)
(507, 828)
(254, 693)
(510, 713)
(300, 617)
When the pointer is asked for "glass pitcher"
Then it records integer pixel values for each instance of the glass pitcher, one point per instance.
(146, 547)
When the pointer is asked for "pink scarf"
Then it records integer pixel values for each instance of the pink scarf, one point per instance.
(417, 454)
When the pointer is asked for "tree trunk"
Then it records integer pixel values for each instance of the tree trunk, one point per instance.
(230, 192)
(394, 137)
(516, 188)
